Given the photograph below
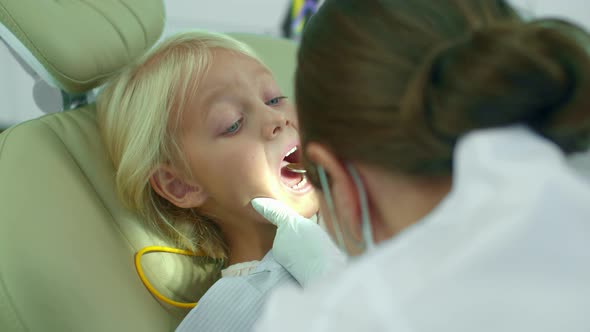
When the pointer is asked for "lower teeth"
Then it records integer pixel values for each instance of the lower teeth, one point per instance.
(300, 184)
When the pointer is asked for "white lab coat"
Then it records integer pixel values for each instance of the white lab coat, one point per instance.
(507, 250)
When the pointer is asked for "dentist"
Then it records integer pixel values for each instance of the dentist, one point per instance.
(438, 132)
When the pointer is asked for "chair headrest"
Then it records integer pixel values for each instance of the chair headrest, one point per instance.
(75, 45)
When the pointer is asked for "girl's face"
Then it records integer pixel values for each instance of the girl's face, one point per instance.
(239, 133)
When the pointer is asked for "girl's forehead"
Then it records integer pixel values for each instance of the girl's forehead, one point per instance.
(230, 60)
(230, 69)
(229, 73)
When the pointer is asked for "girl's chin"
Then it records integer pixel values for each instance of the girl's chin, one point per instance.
(307, 207)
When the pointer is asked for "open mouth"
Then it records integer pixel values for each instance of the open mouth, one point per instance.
(293, 180)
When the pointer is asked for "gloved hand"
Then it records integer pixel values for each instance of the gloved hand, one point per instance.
(301, 246)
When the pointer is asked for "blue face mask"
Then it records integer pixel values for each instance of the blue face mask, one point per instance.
(365, 217)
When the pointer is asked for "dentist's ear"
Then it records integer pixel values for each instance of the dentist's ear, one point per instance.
(167, 183)
(344, 195)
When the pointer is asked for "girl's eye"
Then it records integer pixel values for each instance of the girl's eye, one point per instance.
(275, 101)
(234, 127)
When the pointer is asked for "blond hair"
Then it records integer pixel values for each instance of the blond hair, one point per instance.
(139, 113)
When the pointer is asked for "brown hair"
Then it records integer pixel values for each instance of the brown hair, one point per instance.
(395, 83)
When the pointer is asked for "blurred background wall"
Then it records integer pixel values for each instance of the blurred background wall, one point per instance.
(23, 96)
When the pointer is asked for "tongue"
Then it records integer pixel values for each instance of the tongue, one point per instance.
(289, 178)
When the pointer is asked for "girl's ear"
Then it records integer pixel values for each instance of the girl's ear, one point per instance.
(167, 183)
(344, 194)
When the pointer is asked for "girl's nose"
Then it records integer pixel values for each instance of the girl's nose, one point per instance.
(276, 123)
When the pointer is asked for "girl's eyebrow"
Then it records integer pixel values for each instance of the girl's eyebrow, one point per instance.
(211, 97)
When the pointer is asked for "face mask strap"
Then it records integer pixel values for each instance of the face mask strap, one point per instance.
(331, 209)
(365, 217)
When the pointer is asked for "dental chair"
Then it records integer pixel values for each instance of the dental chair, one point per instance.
(67, 245)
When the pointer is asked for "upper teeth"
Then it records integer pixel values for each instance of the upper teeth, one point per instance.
(291, 151)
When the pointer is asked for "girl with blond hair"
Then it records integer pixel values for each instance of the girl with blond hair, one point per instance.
(196, 128)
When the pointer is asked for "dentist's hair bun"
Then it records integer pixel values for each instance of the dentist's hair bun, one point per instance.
(536, 73)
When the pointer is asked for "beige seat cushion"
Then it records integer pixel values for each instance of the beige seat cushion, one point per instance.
(67, 245)
(76, 44)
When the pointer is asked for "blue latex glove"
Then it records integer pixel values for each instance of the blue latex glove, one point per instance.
(300, 245)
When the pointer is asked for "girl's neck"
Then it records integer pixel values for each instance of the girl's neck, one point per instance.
(248, 241)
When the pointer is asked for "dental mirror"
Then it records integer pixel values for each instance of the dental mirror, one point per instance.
(296, 168)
